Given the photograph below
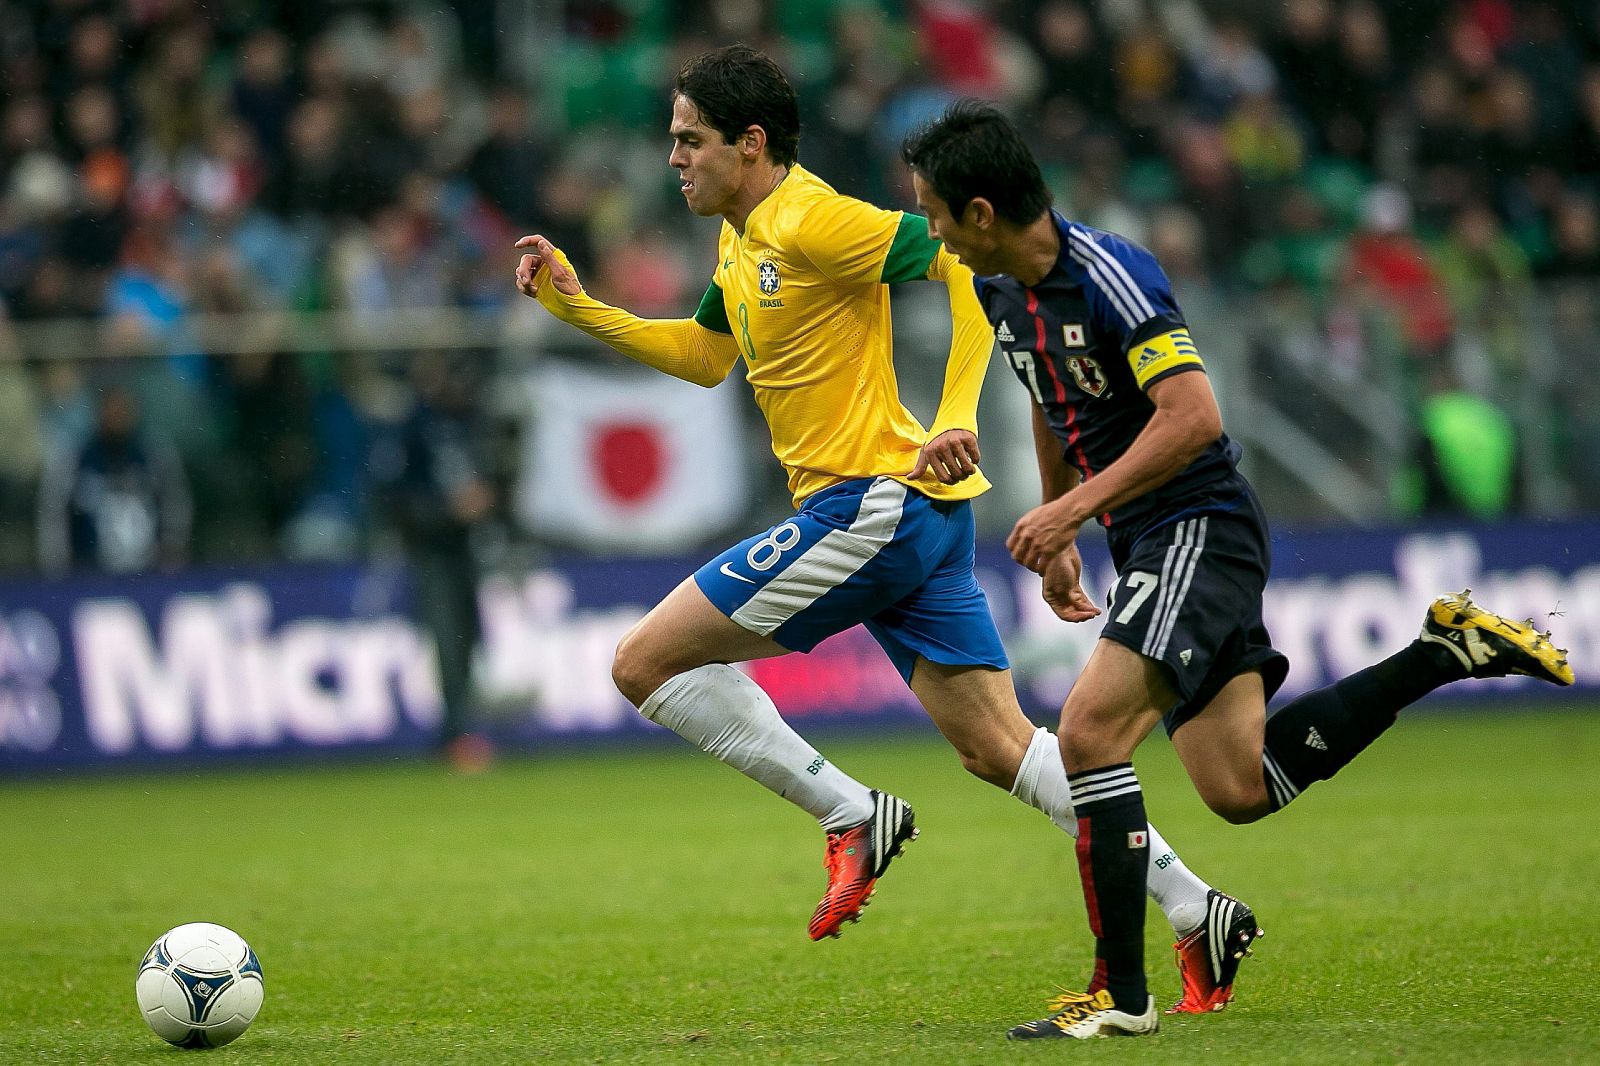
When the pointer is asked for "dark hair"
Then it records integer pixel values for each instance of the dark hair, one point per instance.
(737, 87)
(972, 150)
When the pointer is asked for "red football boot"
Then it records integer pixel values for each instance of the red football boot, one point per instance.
(1209, 957)
(856, 858)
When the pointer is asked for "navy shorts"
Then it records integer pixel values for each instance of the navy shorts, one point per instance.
(1188, 595)
(869, 551)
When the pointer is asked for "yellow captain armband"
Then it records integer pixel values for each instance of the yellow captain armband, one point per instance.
(1159, 354)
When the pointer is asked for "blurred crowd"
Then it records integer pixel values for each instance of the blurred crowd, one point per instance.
(1407, 185)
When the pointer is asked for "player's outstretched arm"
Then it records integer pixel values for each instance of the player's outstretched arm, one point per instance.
(680, 347)
(545, 256)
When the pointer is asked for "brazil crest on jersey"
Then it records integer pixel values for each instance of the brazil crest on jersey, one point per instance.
(1087, 341)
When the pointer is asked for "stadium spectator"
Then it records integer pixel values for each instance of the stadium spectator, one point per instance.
(1213, 188)
(1544, 50)
(270, 432)
(22, 428)
(1263, 142)
(1071, 44)
(263, 91)
(1230, 68)
(1488, 280)
(1388, 269)
(1518, 153)
(147, 301)
(1468, 456)
(1367, 81)
(1582, 148)
(94, 58)
(119, 503)
(433, 474)
(1436, 152)
(174, 102)
(1305, 49)
(310, 181)
(1575, 233)
(509, 167)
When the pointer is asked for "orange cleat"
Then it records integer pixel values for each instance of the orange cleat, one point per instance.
(856, 858)
(1209, 957)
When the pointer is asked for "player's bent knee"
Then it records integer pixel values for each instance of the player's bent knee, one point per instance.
(633, 672)
(1084, 748)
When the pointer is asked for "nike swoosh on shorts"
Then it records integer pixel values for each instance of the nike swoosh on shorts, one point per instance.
(727, 569)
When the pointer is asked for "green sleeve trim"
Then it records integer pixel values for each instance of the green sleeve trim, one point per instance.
(911, 252)
(713, 313)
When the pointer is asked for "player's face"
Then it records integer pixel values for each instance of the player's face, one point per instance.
(710, 167)
(971, 244)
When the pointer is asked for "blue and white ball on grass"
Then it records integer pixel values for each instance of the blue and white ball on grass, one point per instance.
(199, 985)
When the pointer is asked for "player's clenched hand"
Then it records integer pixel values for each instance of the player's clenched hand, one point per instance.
(1063, 588)
(952, 456)
(1042, 534)
(544, 256)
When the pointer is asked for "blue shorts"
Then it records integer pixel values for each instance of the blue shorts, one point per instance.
(869, 551)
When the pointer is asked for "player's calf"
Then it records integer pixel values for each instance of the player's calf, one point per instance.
(1236, 801)
(1220, 748)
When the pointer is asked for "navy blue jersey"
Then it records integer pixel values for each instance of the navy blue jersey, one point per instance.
(1087, 341)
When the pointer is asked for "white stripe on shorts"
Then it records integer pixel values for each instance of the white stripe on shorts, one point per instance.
(1183, 589)
(828, 563)
(1171, 567)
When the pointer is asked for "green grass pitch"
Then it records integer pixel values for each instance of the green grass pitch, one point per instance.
(1439, 902)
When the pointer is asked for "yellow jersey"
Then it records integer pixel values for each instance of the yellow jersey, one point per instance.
(803, 294)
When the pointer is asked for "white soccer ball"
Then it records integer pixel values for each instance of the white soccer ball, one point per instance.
(199, 985)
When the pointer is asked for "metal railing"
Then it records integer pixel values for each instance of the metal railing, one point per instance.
(1324, 399)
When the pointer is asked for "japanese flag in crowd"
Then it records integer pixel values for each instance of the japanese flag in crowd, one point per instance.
(629, 461)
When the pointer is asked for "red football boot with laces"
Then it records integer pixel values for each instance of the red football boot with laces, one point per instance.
(856, 858)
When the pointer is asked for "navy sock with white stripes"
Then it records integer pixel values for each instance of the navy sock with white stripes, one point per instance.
(1314, 737)
(1113, 854)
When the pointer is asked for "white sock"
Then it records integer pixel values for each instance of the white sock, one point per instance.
(1177, 891)
(1042, 783)
(720, 711)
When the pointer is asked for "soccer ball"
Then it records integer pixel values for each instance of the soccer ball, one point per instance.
(199, 985)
